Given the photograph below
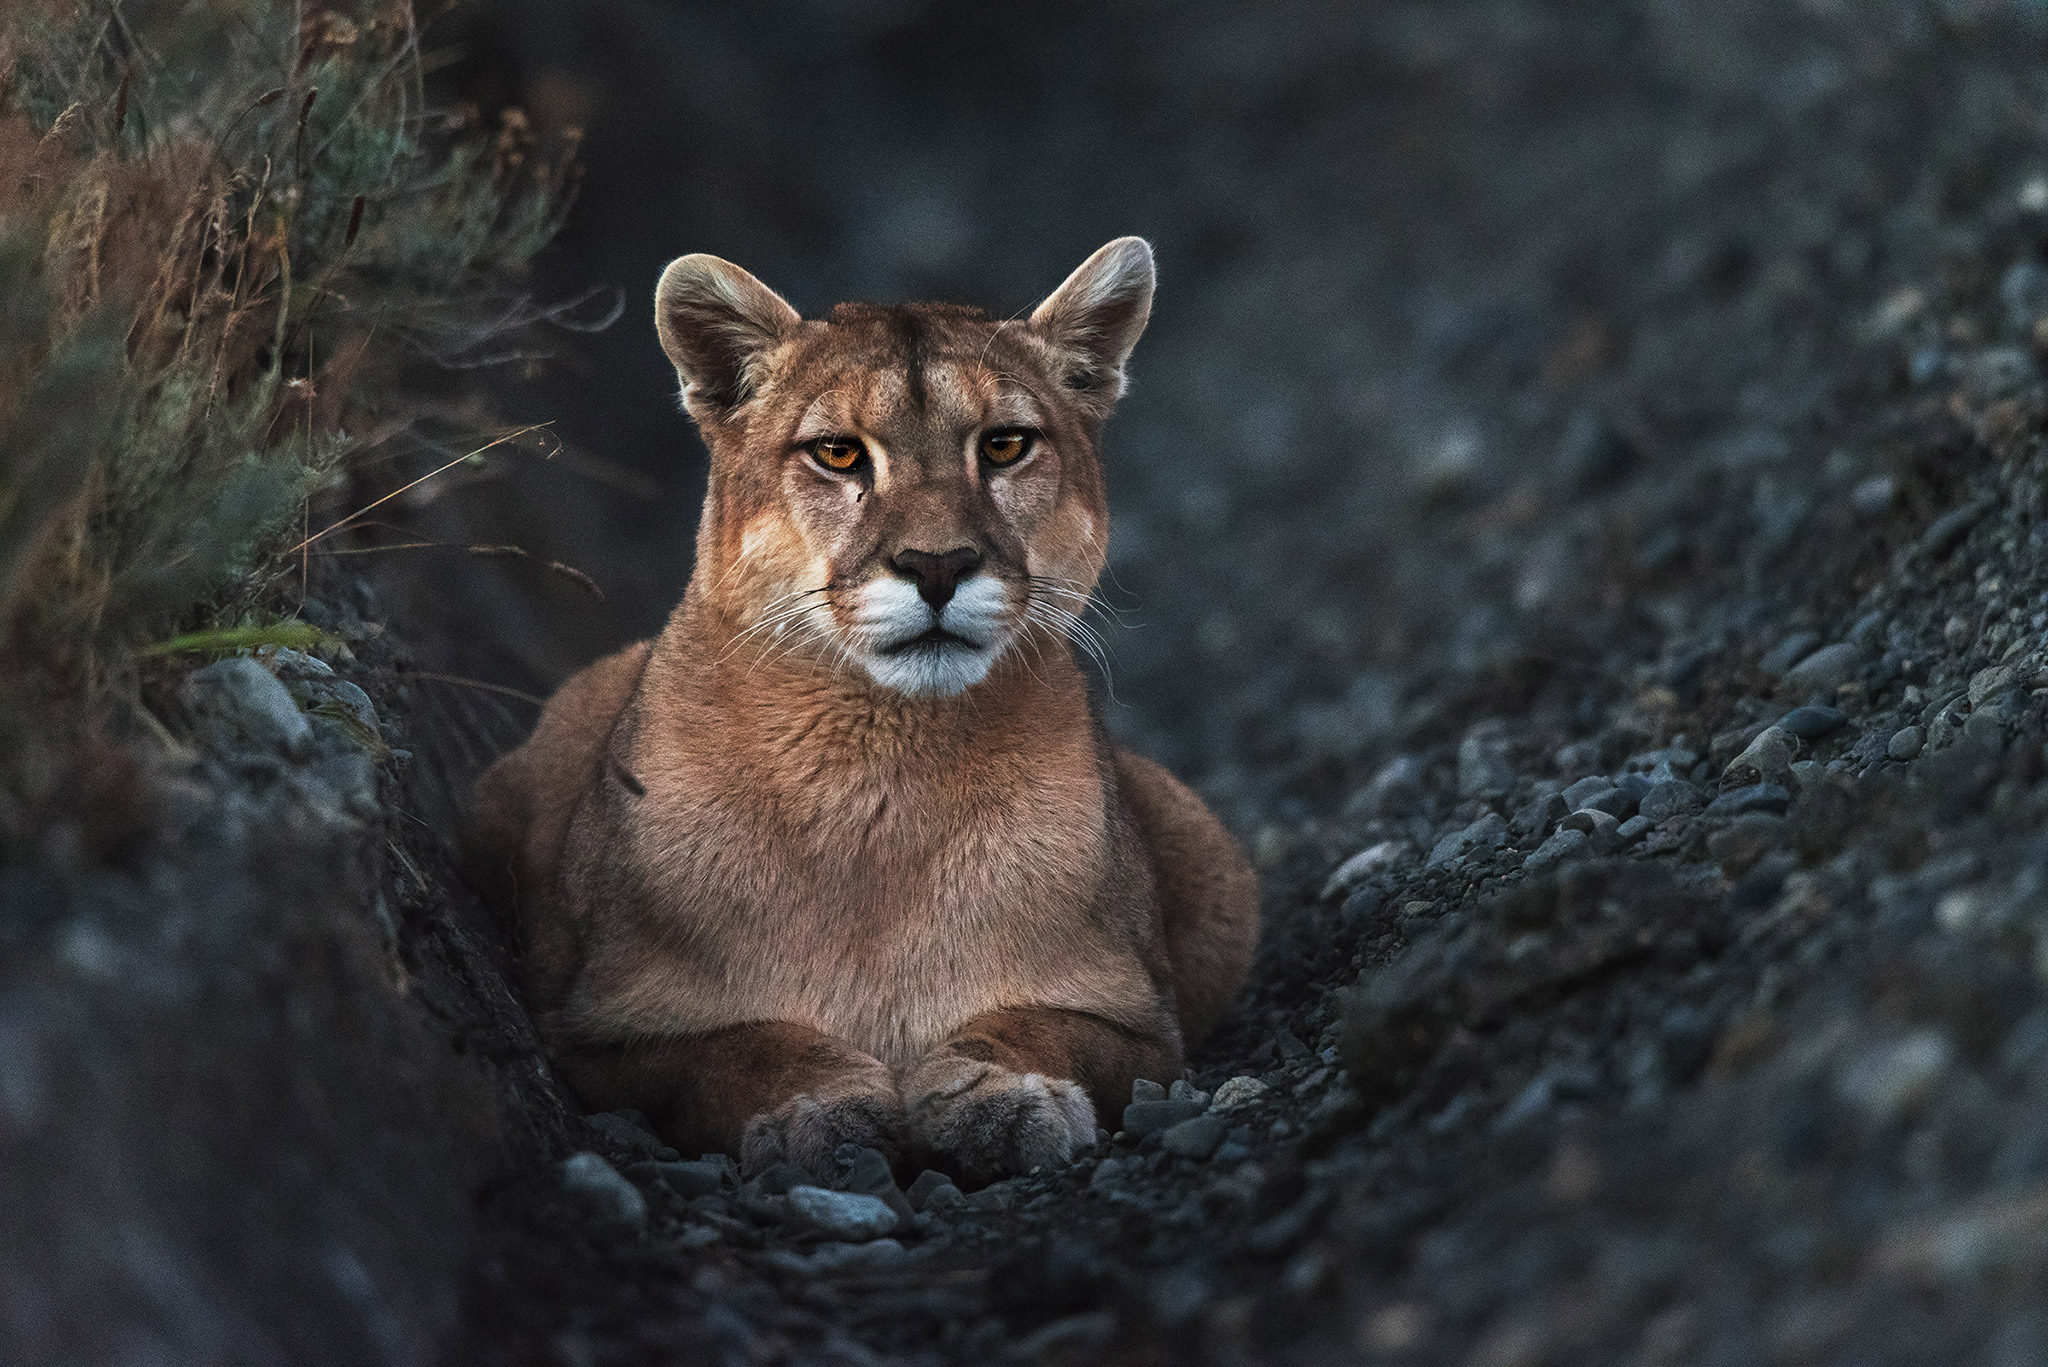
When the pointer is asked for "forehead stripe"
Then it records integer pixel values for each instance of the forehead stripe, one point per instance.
(909, 329)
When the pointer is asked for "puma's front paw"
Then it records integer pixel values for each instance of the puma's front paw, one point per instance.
(806, 1129)
(992, 1122)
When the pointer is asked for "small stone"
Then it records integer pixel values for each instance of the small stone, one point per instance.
(624, 1131)
(1825, 669)
(1788, 652)
(1633, 829)
(1985, 727)
(1144, 1089)
(1534, 819)
(1183, 1090)
(1237, 1091)
(1767, 759)
(243, 704)
(926, 1193)
(1905, 743)
(1668, 799)
(691, 1180)
(849, 1215)
(1288, 1047)
(1585, 789)
(1363, 865)
(1986, 684)
(1107, 1173)
(1481, 837)
(1619, 802)
(1142, 1118)
(1811, 723)
(1550, 852)
(780, 1178)
(1758, 797)
(1197, 1138)
(602, 1188)
(1873, 497)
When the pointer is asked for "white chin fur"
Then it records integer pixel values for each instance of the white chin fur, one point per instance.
(888, 611)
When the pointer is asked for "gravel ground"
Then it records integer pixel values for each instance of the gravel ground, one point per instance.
(1581, 498)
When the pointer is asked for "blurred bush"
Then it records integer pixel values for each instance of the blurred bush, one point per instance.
(230, 231)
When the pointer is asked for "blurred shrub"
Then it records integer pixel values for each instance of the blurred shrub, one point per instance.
(230, 231)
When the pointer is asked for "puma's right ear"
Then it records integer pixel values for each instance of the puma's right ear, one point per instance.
(716, 322)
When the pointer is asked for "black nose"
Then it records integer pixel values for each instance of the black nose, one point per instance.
(936, 576)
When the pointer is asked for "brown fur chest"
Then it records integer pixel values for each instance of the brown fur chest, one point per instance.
(813, 858)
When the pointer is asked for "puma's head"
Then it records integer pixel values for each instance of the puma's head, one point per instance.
(907, 490)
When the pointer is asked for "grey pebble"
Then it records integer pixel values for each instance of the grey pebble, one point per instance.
(242, 703)
(1758, 797)
(603, 1189)
(1905, 743)
(928, 1182)
(1551, 851)
(849, 1215)
(1825, 669)
(1576, 796)
(1197, 1138)
(1811, 723)
(1633, 829)
(1144, 1089)
(1669, 799)
(1142, 1118)
(689, 1180)
(1789, 651)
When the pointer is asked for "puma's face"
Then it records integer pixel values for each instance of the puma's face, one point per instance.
(906, 491)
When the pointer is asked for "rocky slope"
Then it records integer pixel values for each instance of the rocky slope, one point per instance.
(1581, 494)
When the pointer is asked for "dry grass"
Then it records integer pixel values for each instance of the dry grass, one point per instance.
(232, 236)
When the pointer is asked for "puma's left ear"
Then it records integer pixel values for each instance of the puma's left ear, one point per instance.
(1093, 320)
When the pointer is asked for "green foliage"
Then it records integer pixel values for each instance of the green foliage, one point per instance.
(231, 231)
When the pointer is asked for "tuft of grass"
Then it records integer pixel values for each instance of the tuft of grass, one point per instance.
(233, 237)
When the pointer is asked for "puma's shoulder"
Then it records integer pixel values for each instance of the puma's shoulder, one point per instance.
(523, 803)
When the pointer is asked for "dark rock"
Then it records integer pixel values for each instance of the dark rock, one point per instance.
(1759, 797)
(777, 1180)
(1142, 1118)
(1584, 791)
(689, 1180)
(241, 704)
(1533, 820)
(603, 1190)
(927, 1182)
(1788, 652)
(1144, 1089)
(623, 1131)
(1825, 669)
(1197, 1138)
(1633, 829)
(1811, 723)
(1905, 743)
(1619, 802)
(1560, 846)
(852, 1216)
(1669, 799)
(1288, 1047)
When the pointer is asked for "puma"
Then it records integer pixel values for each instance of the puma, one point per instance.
(843, 855)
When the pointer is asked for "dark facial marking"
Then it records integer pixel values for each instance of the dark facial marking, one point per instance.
(908, 326)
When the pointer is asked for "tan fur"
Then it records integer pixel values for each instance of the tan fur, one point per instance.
(780, 898)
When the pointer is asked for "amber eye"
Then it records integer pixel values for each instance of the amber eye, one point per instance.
(1005, 448)
(838, 453)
